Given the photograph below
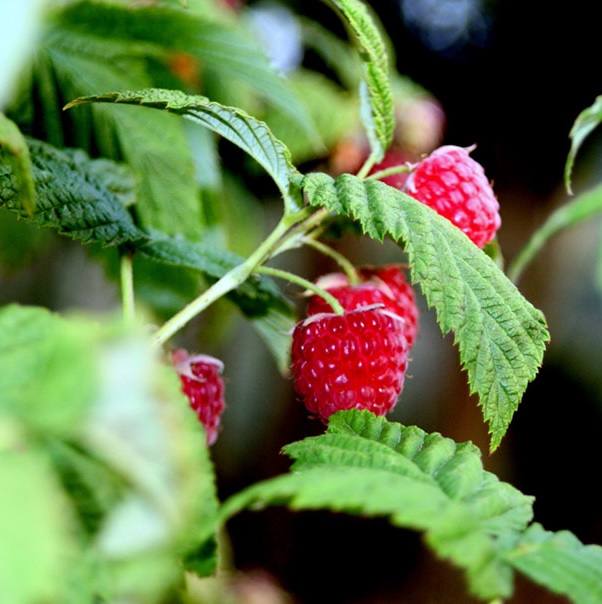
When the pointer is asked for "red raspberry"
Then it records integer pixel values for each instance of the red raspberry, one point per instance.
(202, 384)
(455, 185)
(352, 361)
(384, 285)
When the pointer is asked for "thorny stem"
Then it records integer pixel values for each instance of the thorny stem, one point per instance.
(329, 298)
(126, 275)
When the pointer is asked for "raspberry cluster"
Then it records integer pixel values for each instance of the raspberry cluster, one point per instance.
(357, 359)
(203, 386)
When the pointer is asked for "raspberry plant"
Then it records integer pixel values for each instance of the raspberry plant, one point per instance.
(107, 488)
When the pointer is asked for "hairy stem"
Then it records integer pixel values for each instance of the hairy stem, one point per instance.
(329, 298)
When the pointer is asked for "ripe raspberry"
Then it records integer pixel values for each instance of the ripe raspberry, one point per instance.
(385, 285)
(455, 185)
(202, 384)
(393, 157)
(352, 361)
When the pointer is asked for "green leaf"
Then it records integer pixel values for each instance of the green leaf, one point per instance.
(14, 148)
(258, 298)
(225, 52)
(37, 547)
(79, 197)
(47, 372)
(72, 62)
(561, 563)
(366, 465)
(380, 117)
(500, 335)
(584, 206)
(587, 121)
(248, 133)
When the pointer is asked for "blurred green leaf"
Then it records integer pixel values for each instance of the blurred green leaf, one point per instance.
(36, 545)
(47, 373)
(226, 50)
(584, 206)
(141, 426)
(587, 121)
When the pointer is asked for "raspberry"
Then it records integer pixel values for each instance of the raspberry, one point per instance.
(352, 361)
(393, 158)
(202, 384)
(384, 285)
(455, 186)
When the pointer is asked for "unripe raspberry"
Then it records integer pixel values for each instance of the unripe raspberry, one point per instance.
(352, 361)
(455, 186)
(385, 285)
(202, 384)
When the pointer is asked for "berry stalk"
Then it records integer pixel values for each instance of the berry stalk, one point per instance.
(329, 298)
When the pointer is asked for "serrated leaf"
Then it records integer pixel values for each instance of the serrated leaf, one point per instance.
(74, 61)
(380, 122)
(245, 131)
(587, 121)
(584, 206)
(14, 149)
(72, 197)
(500, 335)
(368, 466)
(561, 563)
(46, 368)
(258, 298)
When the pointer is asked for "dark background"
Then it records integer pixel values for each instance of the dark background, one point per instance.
(513, 88)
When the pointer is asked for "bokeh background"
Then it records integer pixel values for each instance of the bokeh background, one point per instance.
(509, 77)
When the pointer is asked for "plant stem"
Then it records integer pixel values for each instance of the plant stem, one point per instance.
(343, 262)
(126, 275)
(230, 281)
(401, 169)
(329, 298)
(368, 165)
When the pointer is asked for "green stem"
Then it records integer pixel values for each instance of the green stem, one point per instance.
(402, 169)
(329, 298)
(126, 275)
(368, 165)
(230, 281)
(343, 262)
